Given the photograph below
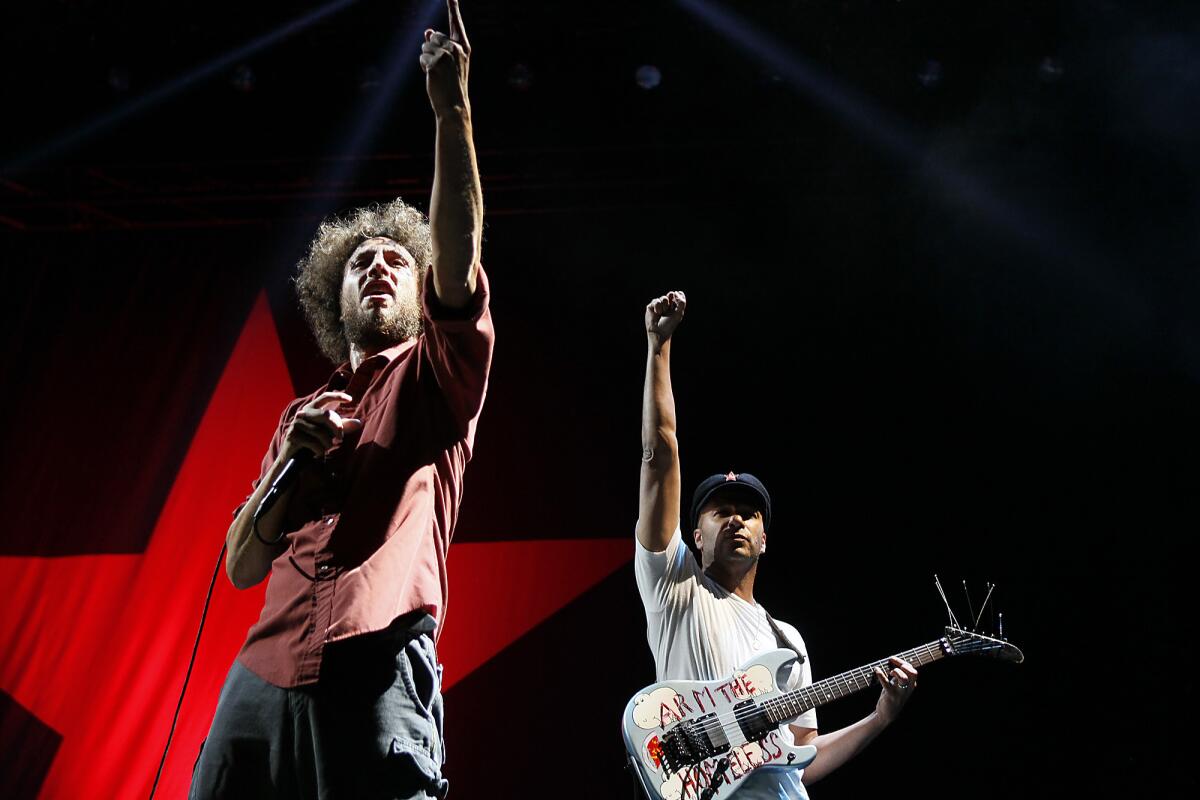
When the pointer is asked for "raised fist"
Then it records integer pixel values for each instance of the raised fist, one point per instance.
(663, 315)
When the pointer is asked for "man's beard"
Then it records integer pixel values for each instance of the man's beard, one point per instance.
(376, 329)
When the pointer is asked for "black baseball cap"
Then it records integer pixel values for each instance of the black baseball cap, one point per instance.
(731, 480)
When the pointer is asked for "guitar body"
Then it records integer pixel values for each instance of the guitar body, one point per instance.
(711, 721)
(698, 740)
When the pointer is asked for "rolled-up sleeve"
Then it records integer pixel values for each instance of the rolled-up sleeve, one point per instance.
(460, 343)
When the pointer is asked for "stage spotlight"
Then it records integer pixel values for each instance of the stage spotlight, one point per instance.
(243, 78)
(520, 77)
(118, 79)
(369, 79)
(859, 113)
(648, 76)
(1050, 70)
(214, 68)
(930, 75)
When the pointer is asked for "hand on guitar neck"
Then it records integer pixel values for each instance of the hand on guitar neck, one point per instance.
(898, 685)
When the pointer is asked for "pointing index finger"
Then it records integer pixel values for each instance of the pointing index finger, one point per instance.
(331, 399)
(458, 31)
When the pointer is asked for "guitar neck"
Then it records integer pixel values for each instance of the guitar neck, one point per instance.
(787, 707)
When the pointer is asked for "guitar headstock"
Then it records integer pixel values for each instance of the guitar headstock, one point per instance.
(959, 642)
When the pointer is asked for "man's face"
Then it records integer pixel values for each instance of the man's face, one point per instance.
(381, 303)
(730, 529)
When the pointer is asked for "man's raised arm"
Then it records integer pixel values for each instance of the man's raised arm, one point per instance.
(658, 493)
(456, 206)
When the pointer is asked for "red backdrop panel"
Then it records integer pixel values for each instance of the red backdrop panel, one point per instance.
(96, 646)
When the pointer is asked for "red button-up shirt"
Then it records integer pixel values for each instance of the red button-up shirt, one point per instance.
(370, 525)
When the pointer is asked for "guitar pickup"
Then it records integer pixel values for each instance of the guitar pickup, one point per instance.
(752, 720)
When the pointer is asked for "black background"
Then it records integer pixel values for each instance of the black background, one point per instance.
(941, 268)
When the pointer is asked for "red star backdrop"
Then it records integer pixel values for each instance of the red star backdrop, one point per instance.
(940, 264)
(95, 646)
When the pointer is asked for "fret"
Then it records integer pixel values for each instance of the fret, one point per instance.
(792, 704)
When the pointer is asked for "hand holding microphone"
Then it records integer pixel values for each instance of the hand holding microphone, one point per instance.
(315, 429)
(317, 426)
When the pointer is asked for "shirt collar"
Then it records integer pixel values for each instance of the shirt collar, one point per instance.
(342, 375)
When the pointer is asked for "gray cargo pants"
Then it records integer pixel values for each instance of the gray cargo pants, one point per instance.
(369, 729)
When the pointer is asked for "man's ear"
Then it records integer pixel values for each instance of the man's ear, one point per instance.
(763, 549)
(698, 539)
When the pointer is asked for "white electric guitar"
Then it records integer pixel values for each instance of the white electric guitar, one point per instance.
(696, 740)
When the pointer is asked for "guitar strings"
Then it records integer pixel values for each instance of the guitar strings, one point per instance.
(862, 673)
(967, 594)
(991, 587)
(949, 610)
(932, 650)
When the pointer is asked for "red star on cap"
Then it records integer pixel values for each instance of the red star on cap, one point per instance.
(730, 477)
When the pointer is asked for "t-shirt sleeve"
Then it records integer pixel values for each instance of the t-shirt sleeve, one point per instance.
(809, 718)
(460, 342)
(664, 578)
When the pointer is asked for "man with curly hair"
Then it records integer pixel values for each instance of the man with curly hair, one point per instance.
(336, 691)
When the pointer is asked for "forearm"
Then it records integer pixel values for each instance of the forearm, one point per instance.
(658, 513)
(455, 208)
(658, 401)
(838, 747)
(248, 560)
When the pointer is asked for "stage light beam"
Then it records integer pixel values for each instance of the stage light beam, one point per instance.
(1078, 260)
(69, 139)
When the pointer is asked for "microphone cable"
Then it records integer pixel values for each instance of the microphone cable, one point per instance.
(191, 662)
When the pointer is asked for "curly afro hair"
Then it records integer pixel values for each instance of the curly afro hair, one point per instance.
(319, 274)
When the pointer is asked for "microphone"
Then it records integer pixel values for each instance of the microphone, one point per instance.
(283, 481)
(296, 464)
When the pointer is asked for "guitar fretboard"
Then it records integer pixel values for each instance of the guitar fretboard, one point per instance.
(787, 707)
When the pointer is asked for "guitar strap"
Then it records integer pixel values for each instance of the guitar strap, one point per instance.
(782, 639)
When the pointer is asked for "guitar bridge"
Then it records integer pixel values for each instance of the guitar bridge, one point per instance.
(690, 742)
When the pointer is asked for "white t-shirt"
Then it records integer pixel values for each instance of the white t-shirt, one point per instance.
(699, 631)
